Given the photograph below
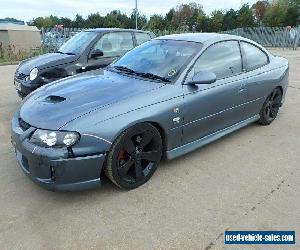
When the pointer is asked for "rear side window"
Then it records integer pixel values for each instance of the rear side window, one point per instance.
(223, 59)
(115, 43)
(141, 38)
(255, 57)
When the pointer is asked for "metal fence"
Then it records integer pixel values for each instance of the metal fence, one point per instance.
(52, 39)
(284, 37)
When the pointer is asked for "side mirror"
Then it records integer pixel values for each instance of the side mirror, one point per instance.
(96, 53)
(203, 77)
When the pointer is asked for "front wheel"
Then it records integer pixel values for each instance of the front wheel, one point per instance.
(134, 156)
(270, 107)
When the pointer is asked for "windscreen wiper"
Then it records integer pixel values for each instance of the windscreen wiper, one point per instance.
(152, 76)
(124, 69)
(141, 74)
(67, 53)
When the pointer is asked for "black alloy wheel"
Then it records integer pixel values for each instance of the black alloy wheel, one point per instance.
(271, 107)
(134, 156)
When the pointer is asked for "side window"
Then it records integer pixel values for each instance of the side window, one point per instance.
(141, 38)
(115, 43)
(223, 58)
(255, 57)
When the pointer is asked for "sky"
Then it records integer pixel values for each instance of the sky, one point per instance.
(28, 9)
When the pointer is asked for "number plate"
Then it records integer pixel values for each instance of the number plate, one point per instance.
(18, 86)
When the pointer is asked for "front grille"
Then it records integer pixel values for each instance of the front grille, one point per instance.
(24, 125)
(21, 76)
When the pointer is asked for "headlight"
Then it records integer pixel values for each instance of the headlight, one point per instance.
(47, 138)
(33, 74)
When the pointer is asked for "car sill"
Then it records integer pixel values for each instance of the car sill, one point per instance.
(191, 146)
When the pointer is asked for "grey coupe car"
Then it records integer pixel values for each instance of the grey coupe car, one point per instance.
(165, 98)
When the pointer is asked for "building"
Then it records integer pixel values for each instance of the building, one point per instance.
(19, 37)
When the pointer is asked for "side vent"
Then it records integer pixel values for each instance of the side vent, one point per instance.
(55, 99)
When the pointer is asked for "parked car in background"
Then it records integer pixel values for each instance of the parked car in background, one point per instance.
(168, 97)
(88, 50)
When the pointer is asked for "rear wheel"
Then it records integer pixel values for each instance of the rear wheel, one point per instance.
(270, 108)
(134, 156)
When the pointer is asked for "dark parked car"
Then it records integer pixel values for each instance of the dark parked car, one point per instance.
(87, 50)
(167, 97)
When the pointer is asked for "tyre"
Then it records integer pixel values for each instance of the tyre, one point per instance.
(270, 107)
(134, 156)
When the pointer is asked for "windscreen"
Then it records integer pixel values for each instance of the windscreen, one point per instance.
(164, 58)
(78, 43)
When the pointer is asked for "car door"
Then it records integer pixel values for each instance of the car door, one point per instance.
(209, 108)
(113, 45)
(259, 77)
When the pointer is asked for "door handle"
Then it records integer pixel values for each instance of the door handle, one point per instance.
(242, 87)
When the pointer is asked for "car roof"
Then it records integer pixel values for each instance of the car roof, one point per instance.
(114, 29)
(200, 37)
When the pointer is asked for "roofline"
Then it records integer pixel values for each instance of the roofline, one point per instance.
(216, 37)
(17, 27)
(172, 39)
(99, 30)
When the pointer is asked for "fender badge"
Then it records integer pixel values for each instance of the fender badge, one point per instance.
(176, 120)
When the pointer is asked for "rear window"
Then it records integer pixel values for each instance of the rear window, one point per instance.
(255, 57)
(142, 37)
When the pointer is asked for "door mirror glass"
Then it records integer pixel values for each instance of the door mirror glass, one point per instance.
(203, 77)
(96, 53)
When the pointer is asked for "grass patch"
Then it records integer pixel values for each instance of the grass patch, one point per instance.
(13, 56)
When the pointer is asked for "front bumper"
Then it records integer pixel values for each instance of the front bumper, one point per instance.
(24, 87)
(54, 168)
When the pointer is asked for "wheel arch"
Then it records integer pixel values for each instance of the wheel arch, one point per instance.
(109, 168)
(158, 126)
(162, 133)
(280, 88)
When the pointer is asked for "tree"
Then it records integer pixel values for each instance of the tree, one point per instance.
(293, 13)
(66, 22)
(245, 17)
(187, 15)
(94, 20)
(142, 20)
(230, 20)
(276, 14)
(42, 22)
(156, 22)
(216, 21)
(260, 8)
(79, 21)
(11, 19)
(168, 19)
